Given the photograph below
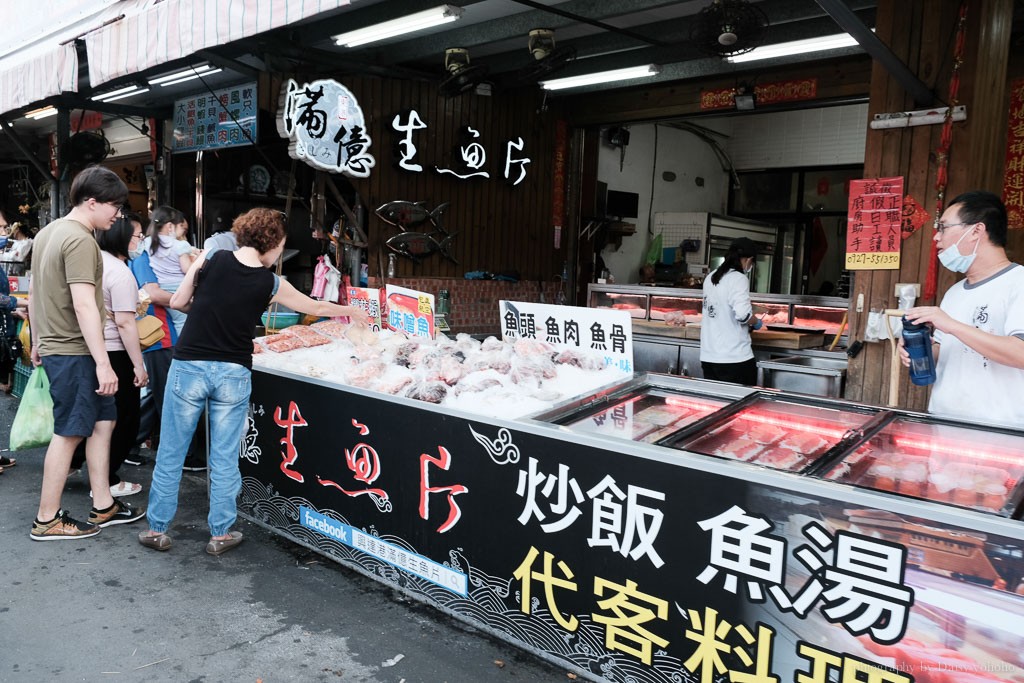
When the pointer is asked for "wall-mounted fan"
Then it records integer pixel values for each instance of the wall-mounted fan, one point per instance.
(547, 58)
(87, 147)
(728, 27)
(462, 76)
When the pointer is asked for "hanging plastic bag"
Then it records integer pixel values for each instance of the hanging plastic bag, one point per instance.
(319, 278)
(333, 289)
(33, 424)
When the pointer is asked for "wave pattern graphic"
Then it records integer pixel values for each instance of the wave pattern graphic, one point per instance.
(492, 603)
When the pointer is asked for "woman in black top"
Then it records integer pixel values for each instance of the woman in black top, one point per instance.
(212, 367)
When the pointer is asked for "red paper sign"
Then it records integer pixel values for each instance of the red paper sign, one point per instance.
(1013, 174)
(874, 220)
(769, 93)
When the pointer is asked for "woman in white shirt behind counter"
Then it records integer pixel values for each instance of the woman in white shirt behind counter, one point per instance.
(725, 351)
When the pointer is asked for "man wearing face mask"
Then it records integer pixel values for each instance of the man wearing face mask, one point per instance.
(725, 351)
(979, 325)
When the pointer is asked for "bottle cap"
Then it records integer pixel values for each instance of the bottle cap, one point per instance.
(913, 327)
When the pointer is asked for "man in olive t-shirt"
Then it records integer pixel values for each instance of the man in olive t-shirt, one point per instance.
(67, 314)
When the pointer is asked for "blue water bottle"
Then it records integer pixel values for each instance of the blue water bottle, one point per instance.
(918, 340)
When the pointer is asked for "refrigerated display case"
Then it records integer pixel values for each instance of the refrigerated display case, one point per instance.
(666, 325)
(645, 410)
(784, 433)
(940, 462)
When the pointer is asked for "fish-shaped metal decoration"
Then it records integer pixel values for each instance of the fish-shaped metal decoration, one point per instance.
(417, 245)
(403, 214)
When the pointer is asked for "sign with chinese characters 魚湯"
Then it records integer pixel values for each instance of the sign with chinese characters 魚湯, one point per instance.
(469, 156)
(603, 331)
(223, 118)
(410, 311)
(326, 127)
(874, 223)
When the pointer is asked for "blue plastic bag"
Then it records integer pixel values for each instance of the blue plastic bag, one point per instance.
(33, 424)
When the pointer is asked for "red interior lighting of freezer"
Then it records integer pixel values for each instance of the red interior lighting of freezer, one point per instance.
(957, 450)
(692, 404)
(790, 424)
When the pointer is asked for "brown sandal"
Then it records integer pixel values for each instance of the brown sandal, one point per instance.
(7, 462)
(156, 541)
(219, 546)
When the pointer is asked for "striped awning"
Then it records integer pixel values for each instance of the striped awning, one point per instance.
(173, 29)
(27, 80)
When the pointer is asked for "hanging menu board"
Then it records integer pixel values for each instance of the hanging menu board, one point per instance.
(223, 118)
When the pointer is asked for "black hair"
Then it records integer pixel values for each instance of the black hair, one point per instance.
(116, 240)
(160, 217)
(978, 206)
(739, 249)
(99, 183)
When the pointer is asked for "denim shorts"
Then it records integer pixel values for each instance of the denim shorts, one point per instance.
(76, 405)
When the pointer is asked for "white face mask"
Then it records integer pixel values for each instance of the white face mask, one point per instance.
(137, 251)
(954, 260)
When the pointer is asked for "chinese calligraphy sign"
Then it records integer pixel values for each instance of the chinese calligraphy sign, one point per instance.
(874, 224)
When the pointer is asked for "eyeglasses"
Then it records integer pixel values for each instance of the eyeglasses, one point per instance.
(137, 235)
(943, 227)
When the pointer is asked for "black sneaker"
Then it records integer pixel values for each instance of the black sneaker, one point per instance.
(118, 513)
(194, 463)
(62, 528)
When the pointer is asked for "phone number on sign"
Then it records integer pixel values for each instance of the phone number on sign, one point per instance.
(873, 260)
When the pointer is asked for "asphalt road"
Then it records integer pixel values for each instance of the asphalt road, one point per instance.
(108, 609)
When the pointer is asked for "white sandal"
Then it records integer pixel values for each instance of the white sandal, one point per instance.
(124, 489)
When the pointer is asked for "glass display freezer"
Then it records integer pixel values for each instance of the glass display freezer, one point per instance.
(940, 462)
(782, 432)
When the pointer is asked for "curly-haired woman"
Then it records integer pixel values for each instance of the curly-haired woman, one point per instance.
(212, 367)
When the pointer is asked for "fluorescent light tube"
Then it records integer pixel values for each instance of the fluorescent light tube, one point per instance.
(115, 94)
(42, 113)
(396, 27)
(191, 71)
(208, 72)
(123, 95)
(602, 77)
(796, 47)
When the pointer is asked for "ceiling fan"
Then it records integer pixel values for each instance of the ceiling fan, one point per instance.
(462, 76)
(728, 27)
(547, 58)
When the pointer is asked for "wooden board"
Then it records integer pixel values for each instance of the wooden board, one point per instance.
(786, 340)
(661, 328)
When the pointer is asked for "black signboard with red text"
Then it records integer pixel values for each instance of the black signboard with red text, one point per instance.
(619, 566)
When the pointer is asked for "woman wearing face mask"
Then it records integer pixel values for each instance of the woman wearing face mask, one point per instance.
(979, 325)
(725, 352)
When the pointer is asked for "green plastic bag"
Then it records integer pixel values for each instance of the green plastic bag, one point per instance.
(33, 424)
(654, 251)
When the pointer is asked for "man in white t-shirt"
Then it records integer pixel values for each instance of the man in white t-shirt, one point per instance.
(979, 326)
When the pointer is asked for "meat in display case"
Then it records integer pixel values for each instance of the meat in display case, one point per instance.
(940, 462)
(780, 433)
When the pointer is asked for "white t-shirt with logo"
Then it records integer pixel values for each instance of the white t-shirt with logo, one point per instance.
(724, 335)
(968, 385)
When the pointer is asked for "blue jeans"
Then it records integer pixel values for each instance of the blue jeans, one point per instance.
(223, 389)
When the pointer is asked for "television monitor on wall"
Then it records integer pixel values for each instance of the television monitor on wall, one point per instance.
(622, 204)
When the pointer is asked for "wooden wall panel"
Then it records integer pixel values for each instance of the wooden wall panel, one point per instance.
(500, 228)
(920, 32)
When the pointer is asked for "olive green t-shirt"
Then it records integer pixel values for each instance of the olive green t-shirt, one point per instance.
(65, 252)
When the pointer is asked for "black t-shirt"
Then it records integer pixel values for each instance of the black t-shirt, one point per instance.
(226, 307)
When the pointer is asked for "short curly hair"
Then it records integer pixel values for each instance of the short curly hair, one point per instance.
(260, 228)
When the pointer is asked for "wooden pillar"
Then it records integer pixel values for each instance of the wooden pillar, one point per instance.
(922, 34)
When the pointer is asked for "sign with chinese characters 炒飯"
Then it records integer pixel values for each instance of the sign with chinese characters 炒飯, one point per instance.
(410, 311)
(326, 127)
(875, 218)
(223, 118)
(607, 332)
(611, 560)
